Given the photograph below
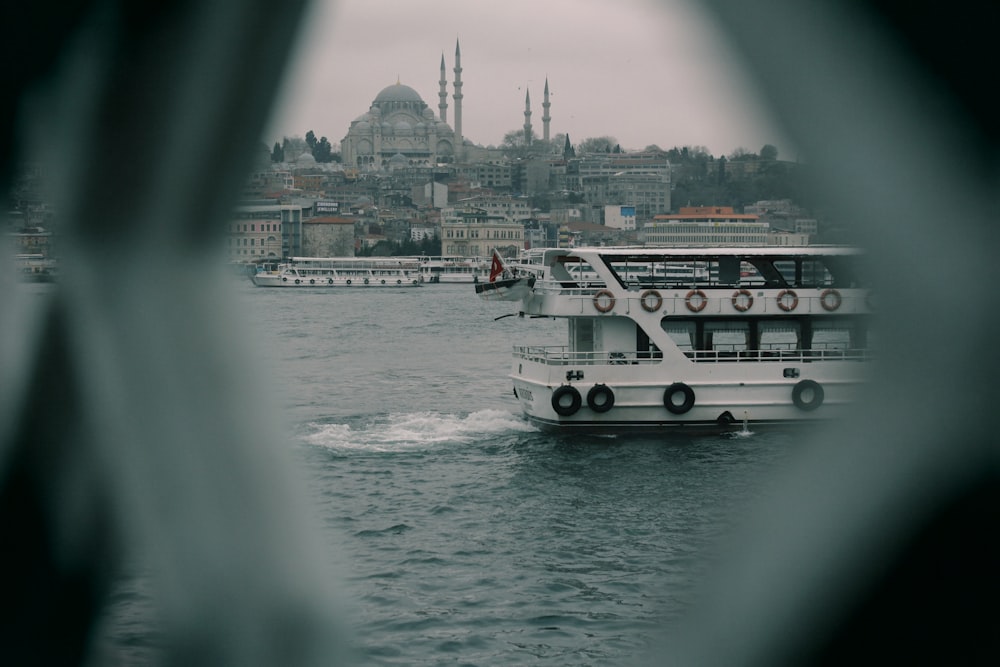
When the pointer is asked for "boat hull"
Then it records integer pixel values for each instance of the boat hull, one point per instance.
(331, 283)
(511, 289)
(697, 397)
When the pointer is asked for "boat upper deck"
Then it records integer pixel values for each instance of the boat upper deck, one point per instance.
(698, 281)
(768, 267)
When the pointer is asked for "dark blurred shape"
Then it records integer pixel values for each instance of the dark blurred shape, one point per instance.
(878, 548)
(131, 441)
(954, 46)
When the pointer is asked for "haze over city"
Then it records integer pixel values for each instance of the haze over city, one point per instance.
(642, 71)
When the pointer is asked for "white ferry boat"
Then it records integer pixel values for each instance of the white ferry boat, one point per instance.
(757, 336)
(453, 269)
(326, 272)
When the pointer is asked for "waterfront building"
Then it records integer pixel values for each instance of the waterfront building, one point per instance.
(640, 180)
(495, 174)
(472, 232)
(328, 236)
(706, 225)
(511, 209)
(620, 217)
(262, 232)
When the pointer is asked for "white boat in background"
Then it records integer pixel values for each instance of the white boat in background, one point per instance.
(506, 282)
(763, 336)
(505, 289)
(328, 272)
(453, 269)
(35, 268)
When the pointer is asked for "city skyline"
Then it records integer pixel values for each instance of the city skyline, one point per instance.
(641, 71)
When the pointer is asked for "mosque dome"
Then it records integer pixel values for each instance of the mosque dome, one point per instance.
(398, 92)
(399, 129)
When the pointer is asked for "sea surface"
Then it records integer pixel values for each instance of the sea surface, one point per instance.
(469, 536)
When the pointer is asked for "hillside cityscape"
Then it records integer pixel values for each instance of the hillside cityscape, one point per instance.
(404, 180)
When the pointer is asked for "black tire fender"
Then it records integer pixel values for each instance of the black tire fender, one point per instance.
(807, 395)
(575, 401)
(673, 390)
(600, 398)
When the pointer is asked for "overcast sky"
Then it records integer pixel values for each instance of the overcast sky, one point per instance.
(643, 71)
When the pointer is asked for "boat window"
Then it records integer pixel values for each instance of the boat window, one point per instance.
(750, 276)
(847, 272)
(656, 271)
(682, 333)
(787, 270)
(727, 336)
(581, 334)
(572, 272)
(815, 273)
(839, 335)
(804, 272)
(729, 270)
(780, 335)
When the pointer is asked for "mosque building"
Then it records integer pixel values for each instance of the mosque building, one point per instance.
(399, 129)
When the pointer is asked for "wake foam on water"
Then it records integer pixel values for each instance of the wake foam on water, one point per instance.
(417, 430)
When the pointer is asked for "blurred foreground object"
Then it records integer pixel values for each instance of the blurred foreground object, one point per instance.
(131, 440)
(881, 547)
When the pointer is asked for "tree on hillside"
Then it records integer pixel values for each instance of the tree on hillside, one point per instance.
(323, 151)
(292, 147)
(311, 140)
(688, 154)
(514, 145)
(568, 150)
(277, 154)
(597, 145)
(769, 152)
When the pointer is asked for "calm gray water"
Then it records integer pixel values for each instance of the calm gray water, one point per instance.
(469, 537)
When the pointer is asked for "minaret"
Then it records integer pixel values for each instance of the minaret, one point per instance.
(545, 112)
(527, 118)
(443, 94)
(459, 144)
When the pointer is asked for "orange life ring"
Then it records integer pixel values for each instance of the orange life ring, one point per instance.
(597, 301)
(830, 299)
(745, 305)
(787, 307)
(657, 301)
(692, 307)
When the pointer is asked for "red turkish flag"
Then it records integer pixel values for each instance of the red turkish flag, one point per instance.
(496, 268)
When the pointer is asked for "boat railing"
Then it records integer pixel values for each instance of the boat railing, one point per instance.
(560, 355)
(805, 356)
